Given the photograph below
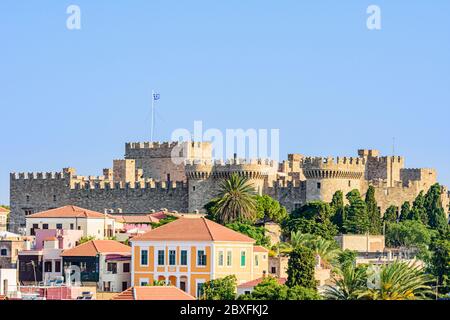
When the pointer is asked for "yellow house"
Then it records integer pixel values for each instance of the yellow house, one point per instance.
(190, 251)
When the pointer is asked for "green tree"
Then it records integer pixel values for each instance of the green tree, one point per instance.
(419, 212)
(269, 209)
(349, 281)
(267, 289)
(357, 220)
(409, 234)
(436, 213)
(373, 212)
(400, 281)
(236, 200)
(220, 289)
(257, 233)
(391, 215)
(327, 250)
(301, 268)
(439, 265)
(85, 239)
(405, 212)
(302, 293)
(346, 257)
(312, 218)
(338, 210)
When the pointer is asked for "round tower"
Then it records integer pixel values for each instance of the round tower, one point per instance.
(325, 176)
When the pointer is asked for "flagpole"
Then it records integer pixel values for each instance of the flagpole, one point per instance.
(153, 115)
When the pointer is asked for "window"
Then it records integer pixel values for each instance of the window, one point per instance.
(256, 260)
(126, 267)
(112, 267)
(193, 188)
(243, 259)
(200, 289)
(143, 282)
(54, 198)
(3, 252)
(201, 258)
(28, 212)
(273, 270)
(220, 258)
(161, 257)
(229, 258)
(47, 266)
(168, 177)
(79, 227)
(349, 183)
(57, 266)
(59, 226)
(172, 257)
(183, 258)
(45, 226)
(319, 185)
(144, 257)
(71, 226)
(28, 198)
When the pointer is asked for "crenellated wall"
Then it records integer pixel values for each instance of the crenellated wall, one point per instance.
(183, 177)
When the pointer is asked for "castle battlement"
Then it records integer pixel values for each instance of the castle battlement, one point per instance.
(37, 175)
(150, 145)
(338, 163)
(140, 185)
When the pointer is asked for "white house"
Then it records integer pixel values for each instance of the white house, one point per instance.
(92, 223)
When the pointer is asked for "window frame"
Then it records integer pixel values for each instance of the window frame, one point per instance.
(146, 256)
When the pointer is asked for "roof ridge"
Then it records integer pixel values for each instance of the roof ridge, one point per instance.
(95, 247)
(207, 228)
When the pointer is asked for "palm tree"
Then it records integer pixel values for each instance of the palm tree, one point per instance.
(349, 282)
(400, 281)
(325, 249)
(236, 200)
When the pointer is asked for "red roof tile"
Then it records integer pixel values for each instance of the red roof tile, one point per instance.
(254, 283)
(68, 212)
(154, 293)
(193, 229)
(94, 247)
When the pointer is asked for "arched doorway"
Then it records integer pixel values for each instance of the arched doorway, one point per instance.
(173, 281)
(183, 283)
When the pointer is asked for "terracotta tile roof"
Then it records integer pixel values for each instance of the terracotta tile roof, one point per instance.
(68, 212)
(94, 247)
(3, 298)
(134, 218)
(254, 283)
(154, 293)
(260, 249)
(3, 210)
(193, 229)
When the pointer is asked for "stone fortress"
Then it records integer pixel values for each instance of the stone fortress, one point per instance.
(183, 177)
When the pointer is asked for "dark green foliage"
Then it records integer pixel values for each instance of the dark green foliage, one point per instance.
(270, 289)
(268, 209)
(312, 218)
(301, 268)
(375, 222)
(338, 210)
(357, 219)
(257, 233)
(418, 210)
(391, 215)
(436, 214)
(220, 289)
(236, 200)
(439, 264)
(162, 222)
(409, 234)
(405, 213)
(346, 258)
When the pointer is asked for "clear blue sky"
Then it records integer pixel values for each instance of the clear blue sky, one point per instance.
(310, 68)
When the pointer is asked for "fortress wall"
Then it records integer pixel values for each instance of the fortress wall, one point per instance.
(34, 192)
(290, 195)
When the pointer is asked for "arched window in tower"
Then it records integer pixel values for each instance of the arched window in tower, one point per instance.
(349, 183)
(319, 185)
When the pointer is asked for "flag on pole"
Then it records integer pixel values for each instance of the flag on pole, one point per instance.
(156, 96)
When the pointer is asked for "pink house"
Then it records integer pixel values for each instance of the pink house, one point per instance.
(66, 238)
